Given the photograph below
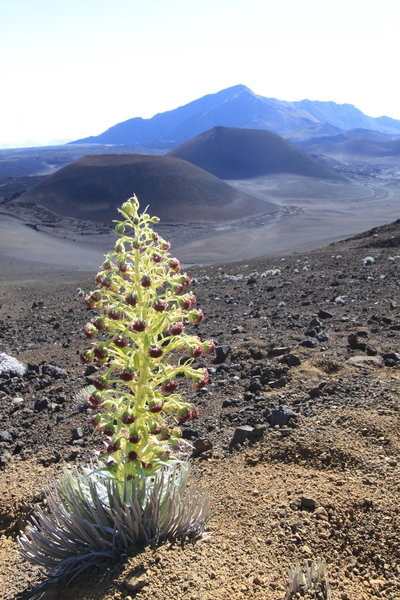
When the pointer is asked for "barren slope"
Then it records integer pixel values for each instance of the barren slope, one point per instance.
(309, 358)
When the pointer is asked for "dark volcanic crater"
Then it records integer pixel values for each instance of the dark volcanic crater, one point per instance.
(176, 191)
(233, 153)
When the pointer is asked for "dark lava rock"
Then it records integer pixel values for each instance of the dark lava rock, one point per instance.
(324, 314)
(77, 433)
(201, 446)
(41, 404)
(54, 371)
(352, 340)
(307, 503)
(252, 278)
(315, 322)
(315, 392)
(290, 360)
(355, 344)
(241, 434)
(391, 359)
(279, 383)
(90, 370)
(255, 385)
(322, 336)
(362, 333)
(256, 353)
(309, 343)
(226, 403)
(237, 329)
(189, 434)
(39, 304)
(281, 416)
(370, 350)
(221, 354)
(311, 332)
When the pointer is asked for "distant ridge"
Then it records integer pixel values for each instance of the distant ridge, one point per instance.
(93, 187)
(233, 153)
(355, 143)
(238, 106)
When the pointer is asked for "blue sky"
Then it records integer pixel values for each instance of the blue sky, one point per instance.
(73, 68)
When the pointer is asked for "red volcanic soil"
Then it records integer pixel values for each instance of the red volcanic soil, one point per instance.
(233, 153)
(177, 191)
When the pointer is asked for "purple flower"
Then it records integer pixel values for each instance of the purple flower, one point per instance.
(108, 430)
(145, 281)
(127, 374)
(155, 351)
(176, 328)
(100, 352)
(87, 356)
(127, 418)
(90, 330)
(169, 387)
(188, 413)
(100, 382)
(131, 299)
(138, 325)
(160, 305)
(174, 264)
(155, 406)
(120, 341)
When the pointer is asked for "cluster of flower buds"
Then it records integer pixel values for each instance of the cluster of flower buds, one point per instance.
(140, 345)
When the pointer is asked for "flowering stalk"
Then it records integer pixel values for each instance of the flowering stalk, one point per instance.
(141, 347)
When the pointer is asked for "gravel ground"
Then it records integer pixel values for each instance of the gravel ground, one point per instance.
(308, 363)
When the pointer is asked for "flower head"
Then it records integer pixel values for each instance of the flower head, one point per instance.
(156, 351)
(87, 356)
(169, 387)
(143, 305)
(138, 325)
(160, 305)
(176, 328)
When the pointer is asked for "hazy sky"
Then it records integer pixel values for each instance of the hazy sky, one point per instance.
(73, 68)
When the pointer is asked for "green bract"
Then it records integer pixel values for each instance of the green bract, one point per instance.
(141, 348)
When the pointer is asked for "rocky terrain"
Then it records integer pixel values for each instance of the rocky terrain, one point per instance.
(297, 441)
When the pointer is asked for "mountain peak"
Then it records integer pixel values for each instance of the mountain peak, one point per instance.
(239, 88)
(238, 106)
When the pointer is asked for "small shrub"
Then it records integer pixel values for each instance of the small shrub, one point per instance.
(310, 581)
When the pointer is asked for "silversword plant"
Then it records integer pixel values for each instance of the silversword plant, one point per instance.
(139, 492)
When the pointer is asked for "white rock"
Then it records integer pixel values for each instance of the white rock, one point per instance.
(8, 364)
